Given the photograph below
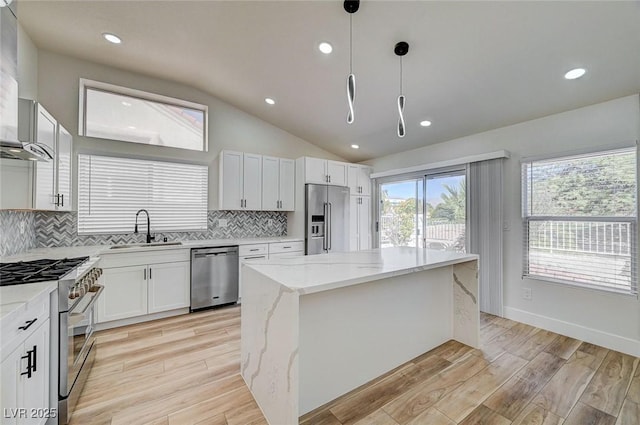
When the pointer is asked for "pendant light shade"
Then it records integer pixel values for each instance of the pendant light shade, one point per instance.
(351, 7)
(400, 50)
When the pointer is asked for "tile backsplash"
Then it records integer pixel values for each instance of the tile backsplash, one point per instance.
(52, 229)
(17, 231)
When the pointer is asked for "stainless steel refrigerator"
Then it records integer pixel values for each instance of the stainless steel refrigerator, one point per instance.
(327, 219)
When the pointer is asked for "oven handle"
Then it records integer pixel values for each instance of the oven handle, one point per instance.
(92, 302)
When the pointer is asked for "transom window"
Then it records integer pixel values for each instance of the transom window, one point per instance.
(580, 220)
(119, 113)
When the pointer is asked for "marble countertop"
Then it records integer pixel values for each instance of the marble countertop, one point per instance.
(14, 297)
(97, 250)
(317, 273)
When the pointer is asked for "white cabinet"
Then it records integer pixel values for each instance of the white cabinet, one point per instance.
(360, 223)
(359, 180)
(240, 181)
(51, 179)
(25, 379)
(124, 295)
(64, 155)
(278, 184)
(167, 289)
(322, 171)
(142, 283)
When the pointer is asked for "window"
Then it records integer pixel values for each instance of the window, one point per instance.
(111, 191)
(426, 211)
(580, 220)
(119, 113)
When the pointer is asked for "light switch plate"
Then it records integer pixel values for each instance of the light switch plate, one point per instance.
(526, 293)
(222, 222)
(270, 222)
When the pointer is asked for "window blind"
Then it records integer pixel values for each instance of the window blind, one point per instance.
(111, 190)
(580, 220)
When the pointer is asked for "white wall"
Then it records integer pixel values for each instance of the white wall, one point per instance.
(229, 128)
(602, 318)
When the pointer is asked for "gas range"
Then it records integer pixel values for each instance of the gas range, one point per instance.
(37, 271)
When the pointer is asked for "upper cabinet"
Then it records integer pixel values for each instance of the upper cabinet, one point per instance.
(278, 184)
(322, 171)
(240, 182)
(51, 179)
(359, 180)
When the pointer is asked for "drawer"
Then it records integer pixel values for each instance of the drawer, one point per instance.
(251, 250)
(277, 247)
(249, 258)
(37, 308)
(287, 254)
(109, 260)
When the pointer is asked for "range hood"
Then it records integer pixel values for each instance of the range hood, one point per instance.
(23, 150)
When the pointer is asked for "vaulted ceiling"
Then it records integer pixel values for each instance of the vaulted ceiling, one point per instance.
(472, 66)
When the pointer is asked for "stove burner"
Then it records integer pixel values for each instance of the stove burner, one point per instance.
(37, 271)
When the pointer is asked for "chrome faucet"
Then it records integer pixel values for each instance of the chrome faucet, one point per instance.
(135, 229)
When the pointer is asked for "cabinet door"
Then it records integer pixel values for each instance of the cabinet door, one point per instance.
(242, 260)
(230, 185)
(63, 177)
(9, 376)
(337, 173)
(287, 184)
(364, 223)
(353, 222)
(35, 389)
(45, 133)
(125, 293)
(252, 182)
(270, 183)
(352, 178)
(169, 286)
(364, 181)
(315, 170)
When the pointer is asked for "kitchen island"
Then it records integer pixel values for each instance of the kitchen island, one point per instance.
(314, 328)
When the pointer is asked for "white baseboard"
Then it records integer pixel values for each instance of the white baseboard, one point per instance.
(603, 339)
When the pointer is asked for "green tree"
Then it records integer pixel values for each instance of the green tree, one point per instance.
(453, 206)
(399, 220)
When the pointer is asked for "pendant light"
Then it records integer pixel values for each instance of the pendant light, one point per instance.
(351, 7)
(400, 50)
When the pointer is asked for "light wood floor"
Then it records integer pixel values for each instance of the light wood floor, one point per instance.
(185, 370)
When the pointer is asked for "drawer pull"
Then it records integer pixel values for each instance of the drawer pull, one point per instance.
(254, 249)
(286, 247)
(27, 324)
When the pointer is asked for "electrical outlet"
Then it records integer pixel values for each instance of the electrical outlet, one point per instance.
(222, 222)
(270, 222)
(526, 293)
(22, 227)
(505, 226)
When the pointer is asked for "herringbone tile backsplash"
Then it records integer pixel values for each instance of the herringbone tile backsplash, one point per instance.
(17, 232)
(54, 229)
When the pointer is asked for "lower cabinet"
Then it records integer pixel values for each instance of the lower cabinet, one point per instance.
(25, 380)
(169, 286)
(132, 290)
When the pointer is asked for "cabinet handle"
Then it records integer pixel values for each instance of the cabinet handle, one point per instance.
(329, 179)
(286, 247)
(254, 249)
(28, 324)
(35, 357)
(62, 197)
(31, 362)
(145, 274)
(150, 273)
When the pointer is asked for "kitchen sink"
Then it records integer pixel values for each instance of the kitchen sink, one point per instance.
(141, 245)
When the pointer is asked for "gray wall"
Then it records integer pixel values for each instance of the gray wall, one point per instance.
(583, 313)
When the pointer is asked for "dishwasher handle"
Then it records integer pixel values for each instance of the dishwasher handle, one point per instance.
(214, 251)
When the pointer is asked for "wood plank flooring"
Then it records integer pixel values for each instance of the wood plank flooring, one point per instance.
(186, 370)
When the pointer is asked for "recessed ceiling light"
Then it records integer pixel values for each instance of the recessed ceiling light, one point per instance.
(15, 150)
(112, 38)
(325, 47)
(575, 73)
(132, 127)
(269, 101)
(425, 123)
(125, 103)
(32, 159)
(355, 147)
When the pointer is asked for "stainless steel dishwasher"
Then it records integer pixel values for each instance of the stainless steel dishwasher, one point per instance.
(214, 276)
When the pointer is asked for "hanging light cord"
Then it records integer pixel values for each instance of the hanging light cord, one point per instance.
(400, 74)
(350, 43)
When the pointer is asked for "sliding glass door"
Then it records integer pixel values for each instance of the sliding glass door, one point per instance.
(446, 211)
(425, 211)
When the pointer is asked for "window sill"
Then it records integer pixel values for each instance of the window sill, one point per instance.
(577, 285)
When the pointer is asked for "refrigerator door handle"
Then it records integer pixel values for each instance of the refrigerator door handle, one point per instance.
(329, 237)
(324, 238)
